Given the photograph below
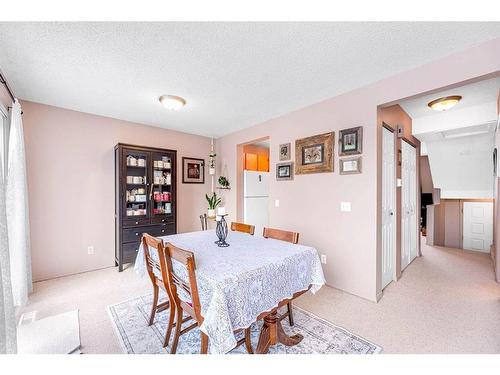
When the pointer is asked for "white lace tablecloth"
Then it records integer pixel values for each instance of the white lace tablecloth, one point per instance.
(239, 282)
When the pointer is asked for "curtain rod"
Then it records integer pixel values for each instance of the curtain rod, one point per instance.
(4, 82)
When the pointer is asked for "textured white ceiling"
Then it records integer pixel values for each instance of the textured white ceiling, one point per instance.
(233, 75)
(473, 94)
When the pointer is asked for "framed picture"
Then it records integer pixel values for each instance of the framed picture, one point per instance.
(351, 141)
(350, 165)
(284, 171)
(193, 171)
(314, 154)
(285, 151)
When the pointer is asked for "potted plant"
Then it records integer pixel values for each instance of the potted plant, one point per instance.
(213, 202)
(224, 182)
(211, 163)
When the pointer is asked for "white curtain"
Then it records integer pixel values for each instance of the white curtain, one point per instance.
(7, 316)
(17, 211)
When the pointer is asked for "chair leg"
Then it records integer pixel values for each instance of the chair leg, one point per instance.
(290, 313)
(178, 325)
(155, 304)
(170, 324)
(248, 341)
(204, 343)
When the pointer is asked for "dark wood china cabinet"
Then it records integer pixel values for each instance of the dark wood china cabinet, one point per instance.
(145, 197)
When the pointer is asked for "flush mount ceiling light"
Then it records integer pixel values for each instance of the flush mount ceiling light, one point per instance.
(445, 103)
(172, 102)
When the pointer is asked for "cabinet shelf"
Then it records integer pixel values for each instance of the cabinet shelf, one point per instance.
(136, 166)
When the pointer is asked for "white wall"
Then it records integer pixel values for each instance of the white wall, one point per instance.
(463, 167)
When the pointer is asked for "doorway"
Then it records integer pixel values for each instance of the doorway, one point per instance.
(254, 186)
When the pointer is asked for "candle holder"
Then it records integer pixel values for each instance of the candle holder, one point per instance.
(221, 231)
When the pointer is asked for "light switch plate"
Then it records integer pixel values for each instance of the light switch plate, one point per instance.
(345, 206)
(399, 182)
(276, 203)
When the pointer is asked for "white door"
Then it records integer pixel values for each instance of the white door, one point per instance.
(478, 226)
(388, 207)
(408, 203)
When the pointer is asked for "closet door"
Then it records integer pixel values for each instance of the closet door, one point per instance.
(408, 203)
(388, 207)
(414, 227)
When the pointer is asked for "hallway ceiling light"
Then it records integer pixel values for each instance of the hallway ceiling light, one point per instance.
(172, 102)
(445, 103)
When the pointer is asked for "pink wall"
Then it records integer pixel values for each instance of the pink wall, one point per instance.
(69, 157)
(311, 203)
(452, 223)
(425, 175)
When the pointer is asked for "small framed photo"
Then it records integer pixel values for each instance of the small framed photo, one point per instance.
(351, 141)
(285, 151)
(350, 165)
(284, 171)
(193, 171)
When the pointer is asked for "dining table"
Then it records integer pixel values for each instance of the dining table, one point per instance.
(245, 281)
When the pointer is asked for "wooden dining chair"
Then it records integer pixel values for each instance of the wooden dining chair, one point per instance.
(245, 228)
(204, 223)
(287, 236)
(187, 299)
(157, 271)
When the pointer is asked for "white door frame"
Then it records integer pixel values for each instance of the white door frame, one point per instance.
(389, 224)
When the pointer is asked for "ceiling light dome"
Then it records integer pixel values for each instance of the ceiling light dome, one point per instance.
(445, 103)
(172, 102)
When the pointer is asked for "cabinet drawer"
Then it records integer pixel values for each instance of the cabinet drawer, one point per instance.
(133, 234)
(130, 251)
(134, 222)
(162, 220)
(161, 230)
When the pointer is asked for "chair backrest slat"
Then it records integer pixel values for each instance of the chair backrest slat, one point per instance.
(282, 235)
(204, 223)
(245, 228)
(186, 259)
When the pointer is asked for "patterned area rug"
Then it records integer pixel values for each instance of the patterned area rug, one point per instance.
(130, 320)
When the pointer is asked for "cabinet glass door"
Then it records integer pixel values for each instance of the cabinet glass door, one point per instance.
(162, 193)
(136, 175)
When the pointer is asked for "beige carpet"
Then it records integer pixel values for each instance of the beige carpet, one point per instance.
(446, 302)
